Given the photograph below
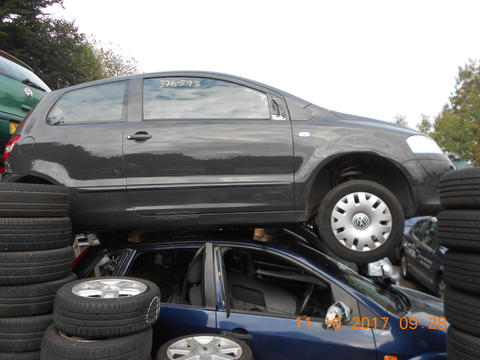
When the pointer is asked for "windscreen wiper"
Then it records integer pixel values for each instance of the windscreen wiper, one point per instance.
(32, 84)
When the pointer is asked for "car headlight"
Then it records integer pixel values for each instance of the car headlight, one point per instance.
(421, 144)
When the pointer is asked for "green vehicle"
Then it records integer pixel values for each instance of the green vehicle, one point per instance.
(20, 90)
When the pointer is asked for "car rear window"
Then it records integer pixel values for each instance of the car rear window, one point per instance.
(19, 73)
(94, 104)
(201, 98)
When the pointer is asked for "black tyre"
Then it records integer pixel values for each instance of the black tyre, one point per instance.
(30, 267)
(106, 307)
(58, 346)
(404, 267)
(459, 229)
(360, 221)
(462, 310)
(460, 189)
(34, 355)
(33, 200)
(212, 346)
(462, 346)
(25, 234)
(32, 299)
(462, 271)
(23, 334)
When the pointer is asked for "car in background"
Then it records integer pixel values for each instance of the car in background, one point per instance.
(20, 91)
(422, 256)
(193, 149)
(276, 296)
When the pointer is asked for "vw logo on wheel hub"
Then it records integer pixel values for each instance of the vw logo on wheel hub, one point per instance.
(361, 221)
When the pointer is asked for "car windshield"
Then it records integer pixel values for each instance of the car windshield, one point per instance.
(18, 72)
(385, 297)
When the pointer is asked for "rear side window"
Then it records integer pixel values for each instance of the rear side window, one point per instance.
(94, 104)
(201, 98)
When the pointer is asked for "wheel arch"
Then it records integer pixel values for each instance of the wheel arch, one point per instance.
(31, 179)
(361, 165)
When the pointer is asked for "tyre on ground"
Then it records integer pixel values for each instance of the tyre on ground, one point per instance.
(462, 311)
(205, 346)
(57, 345)
(462, 346)
(23, 334)
(360, 221)
(106, 307)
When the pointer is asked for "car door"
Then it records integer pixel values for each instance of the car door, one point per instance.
(204, 144)
(80, 146)
(274, 336)
(178, 317)
(424, 234)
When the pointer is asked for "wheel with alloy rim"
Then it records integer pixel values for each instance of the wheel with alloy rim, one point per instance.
(205, 347)
(360, 221)
(106, 307)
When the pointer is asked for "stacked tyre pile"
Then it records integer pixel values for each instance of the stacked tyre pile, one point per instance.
(35, 261)
(459, 231)
(106, 318)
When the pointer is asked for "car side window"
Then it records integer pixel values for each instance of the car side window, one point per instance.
(94, 104)
(262, 283)
(178, 273)
(201, 98)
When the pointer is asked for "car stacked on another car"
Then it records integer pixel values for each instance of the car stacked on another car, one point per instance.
(276, 296)
(20, 90)
(197, 149)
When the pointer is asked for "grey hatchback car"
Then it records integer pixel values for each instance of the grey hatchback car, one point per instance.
(184, 149)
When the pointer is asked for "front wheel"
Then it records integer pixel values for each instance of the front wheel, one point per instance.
(360, 221)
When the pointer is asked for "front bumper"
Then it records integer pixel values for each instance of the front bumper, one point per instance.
(425, 173)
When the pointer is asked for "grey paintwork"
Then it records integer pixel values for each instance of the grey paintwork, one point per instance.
(199, 172)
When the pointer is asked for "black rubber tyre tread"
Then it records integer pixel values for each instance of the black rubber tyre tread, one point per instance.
(23, 334)
(35, 355)
(102, 318)
(462, 271)
(31, 299)
(31, 267)
(246, 351)
(137, 346)
(460, 189)
(323, 221)
(462, 310)
(462, 346)
(459, 229)
(33, 200)
(30, 234)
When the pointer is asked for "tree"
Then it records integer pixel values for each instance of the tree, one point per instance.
(54, 48)
(400, 120)
(425, 126)
(457, 128)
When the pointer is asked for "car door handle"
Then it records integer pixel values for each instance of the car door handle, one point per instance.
(139, 136)
(238, 334)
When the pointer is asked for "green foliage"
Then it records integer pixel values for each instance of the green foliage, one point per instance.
(457, 128)
(54, 48)
(425, 126)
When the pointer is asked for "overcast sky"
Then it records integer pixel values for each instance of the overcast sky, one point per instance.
(375, 58)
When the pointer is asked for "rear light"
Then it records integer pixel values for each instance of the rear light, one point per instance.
(10, 145)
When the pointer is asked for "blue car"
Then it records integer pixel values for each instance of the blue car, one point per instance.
(284, 298)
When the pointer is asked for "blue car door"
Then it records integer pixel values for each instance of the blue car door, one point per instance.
(289, 337)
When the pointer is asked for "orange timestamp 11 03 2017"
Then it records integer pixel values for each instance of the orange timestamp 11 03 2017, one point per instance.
(405, 323)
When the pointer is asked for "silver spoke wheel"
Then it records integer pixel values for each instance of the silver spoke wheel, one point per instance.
(109, 288)
(361, 221)
(204, 348)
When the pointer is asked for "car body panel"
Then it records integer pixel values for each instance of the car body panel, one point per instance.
(207, 172)
(280, 337)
